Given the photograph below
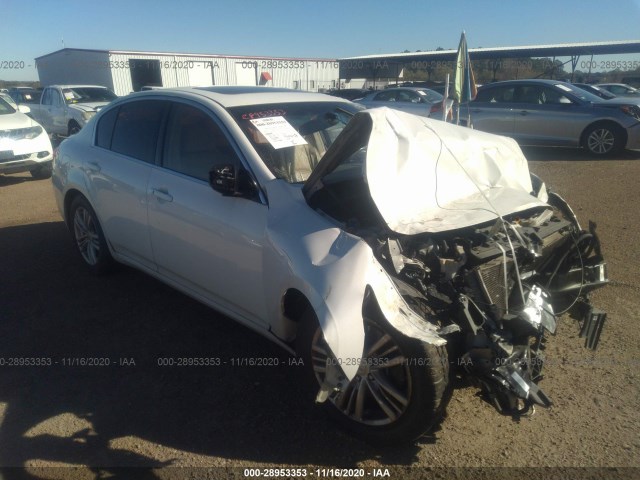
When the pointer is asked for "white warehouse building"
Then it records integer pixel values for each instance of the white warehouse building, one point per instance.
(128, 71)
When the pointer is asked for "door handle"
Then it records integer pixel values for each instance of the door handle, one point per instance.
(93, 167)
(162, 194)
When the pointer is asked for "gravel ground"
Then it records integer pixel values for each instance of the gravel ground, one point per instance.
(63, 421)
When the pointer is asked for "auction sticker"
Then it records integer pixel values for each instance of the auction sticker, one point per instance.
(278, 132)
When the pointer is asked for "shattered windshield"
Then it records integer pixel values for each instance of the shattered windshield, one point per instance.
(291, 138)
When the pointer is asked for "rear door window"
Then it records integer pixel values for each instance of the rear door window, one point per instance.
(496, 95)
(136, 129)
(407, 96)
(388, 96)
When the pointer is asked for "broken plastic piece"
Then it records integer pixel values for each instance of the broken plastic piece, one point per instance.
(592, 327)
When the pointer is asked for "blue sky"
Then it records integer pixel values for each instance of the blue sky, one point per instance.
(325, 28)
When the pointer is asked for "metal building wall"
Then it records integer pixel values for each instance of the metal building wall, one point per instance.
(174, 70)
(112, 69)
(65, 67)
(306, 74)
(301, 74)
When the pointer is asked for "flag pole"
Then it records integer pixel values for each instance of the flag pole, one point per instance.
(444, 100)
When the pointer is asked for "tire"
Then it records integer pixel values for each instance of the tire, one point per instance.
(73, 128)
(88, 237)
(413, 392)
(604, 139)
(42, 172)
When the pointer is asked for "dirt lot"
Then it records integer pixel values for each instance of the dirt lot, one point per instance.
(134, 413)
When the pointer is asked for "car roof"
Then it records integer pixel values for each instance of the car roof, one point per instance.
(232, 96)
(406, 88)
(542, 81)
(77, 86)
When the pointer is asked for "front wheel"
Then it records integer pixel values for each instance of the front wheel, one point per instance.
(42, 172)
(399, 392)
(88, 237)
(604, 139)
(73, 128)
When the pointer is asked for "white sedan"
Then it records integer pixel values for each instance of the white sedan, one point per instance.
(379, 246)
(24, 145)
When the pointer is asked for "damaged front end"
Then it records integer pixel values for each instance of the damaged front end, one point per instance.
(473, 243)
(496, 291)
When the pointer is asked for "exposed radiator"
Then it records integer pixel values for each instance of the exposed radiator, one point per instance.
(491, 279)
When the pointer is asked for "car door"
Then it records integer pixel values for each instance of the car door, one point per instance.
(208, 243)
(492, 110)
(546, 116)
(119, 168)
(43, 113)
(58, 113)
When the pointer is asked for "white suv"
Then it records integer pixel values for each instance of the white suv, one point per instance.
(24, 144)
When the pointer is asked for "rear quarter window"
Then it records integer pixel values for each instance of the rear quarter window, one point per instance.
(104, 131)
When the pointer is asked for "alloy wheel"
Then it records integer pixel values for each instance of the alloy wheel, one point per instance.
(379, 393)
(86, 235)
(601, 141)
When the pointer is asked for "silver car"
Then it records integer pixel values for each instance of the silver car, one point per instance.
(620, 89)
(553, 113)
(419, 101)
(382, 247)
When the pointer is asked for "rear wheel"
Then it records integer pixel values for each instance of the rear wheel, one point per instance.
(88, 237)
(399, 391)
(604, 139)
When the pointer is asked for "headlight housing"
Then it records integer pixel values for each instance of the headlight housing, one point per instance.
(22, 133)
(86, 116)
(632, 110)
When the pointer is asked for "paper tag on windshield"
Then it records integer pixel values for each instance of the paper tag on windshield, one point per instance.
(68, 95)
(278, 132)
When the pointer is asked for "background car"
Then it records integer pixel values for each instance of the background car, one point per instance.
(64, 109)
(415, 100)
(595, 90)
(24, 144)
(349, 93)
(553, 113)
(620, 89)
(25, 95)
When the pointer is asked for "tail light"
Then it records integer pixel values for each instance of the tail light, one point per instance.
(435, 108)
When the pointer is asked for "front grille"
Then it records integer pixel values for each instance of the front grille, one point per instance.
(7, 158)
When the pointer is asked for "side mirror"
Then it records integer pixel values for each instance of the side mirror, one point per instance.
(228, 179)
(24, 109)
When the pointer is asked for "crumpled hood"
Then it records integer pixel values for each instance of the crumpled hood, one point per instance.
(430, 176)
